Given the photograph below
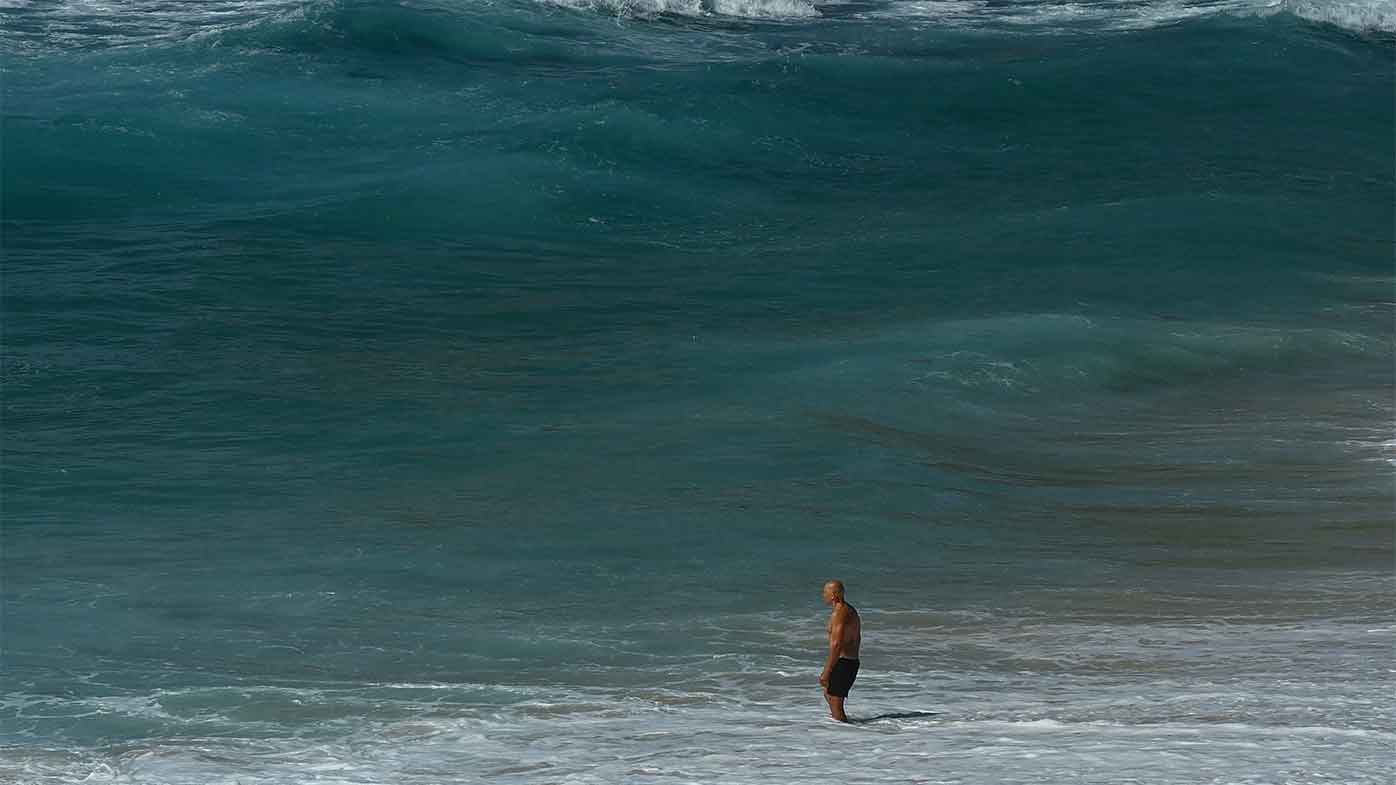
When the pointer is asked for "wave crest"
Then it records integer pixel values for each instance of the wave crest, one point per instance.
(1363, 16)
(1125, 15)
(749, 9)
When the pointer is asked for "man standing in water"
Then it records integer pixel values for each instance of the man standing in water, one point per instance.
(845, 634)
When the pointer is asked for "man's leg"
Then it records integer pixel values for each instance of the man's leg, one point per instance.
(836, 707)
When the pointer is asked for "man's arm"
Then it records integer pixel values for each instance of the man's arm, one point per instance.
(835, 644)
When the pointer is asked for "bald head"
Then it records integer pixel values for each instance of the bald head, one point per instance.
(833, 592)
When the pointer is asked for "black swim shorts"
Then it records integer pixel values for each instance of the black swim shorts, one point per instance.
(842, 676)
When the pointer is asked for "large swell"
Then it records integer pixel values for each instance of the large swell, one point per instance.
(427, 392)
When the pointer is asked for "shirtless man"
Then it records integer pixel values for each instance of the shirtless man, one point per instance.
(841, 666)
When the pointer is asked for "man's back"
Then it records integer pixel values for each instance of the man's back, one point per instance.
(849, 626)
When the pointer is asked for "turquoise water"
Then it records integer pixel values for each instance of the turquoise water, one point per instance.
(421, 392)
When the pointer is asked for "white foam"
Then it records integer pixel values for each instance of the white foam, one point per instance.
(141, 706)
(1053, 17)
(769, 9)
(794, 742)
(1166, 729)
(750, 9)
(1359, 15)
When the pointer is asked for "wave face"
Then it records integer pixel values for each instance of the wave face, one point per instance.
(431, 390)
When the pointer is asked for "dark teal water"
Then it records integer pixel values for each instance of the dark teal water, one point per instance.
(449, 391)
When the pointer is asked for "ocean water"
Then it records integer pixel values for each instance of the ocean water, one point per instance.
(455, 391)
